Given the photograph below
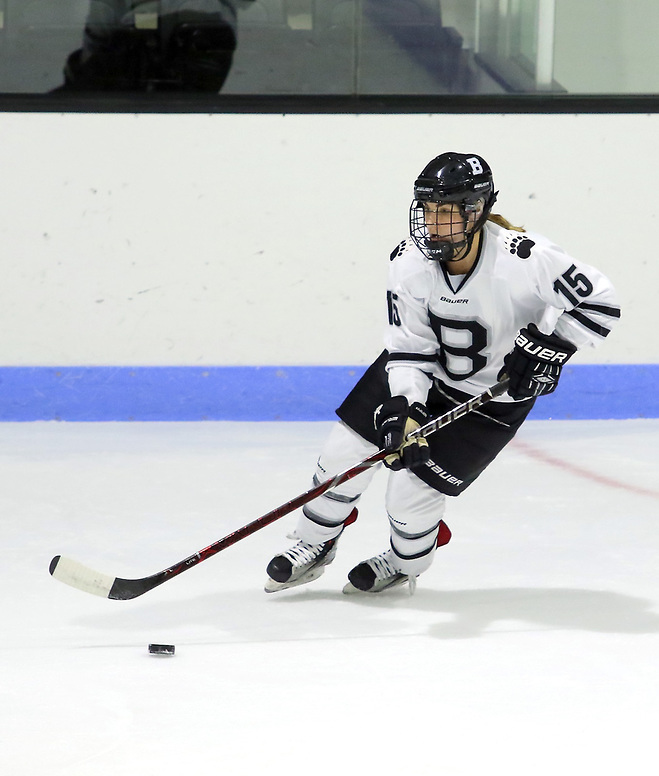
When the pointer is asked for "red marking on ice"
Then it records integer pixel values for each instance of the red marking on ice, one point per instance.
(610, 482)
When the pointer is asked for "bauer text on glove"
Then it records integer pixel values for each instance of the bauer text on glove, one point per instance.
(534, 365)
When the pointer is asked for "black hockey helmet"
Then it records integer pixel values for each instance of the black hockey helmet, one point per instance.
(452, 178)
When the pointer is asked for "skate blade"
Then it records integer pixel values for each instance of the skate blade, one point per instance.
(401, 579)
(274, 587)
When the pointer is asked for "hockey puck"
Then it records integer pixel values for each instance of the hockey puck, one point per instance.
(161, 649)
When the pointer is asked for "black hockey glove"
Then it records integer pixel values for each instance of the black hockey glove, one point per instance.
(534, 364)
(394, 420)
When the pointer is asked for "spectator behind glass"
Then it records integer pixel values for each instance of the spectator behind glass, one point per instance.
(146, 45)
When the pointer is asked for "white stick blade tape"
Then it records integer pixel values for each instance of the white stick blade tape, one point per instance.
(75, 574)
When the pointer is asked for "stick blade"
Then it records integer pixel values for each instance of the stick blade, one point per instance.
(72, 573)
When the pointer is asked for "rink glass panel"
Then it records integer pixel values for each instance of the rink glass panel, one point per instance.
(217, 50)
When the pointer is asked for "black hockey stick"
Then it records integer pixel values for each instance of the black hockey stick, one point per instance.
(75, 574)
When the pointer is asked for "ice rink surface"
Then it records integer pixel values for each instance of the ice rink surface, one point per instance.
(531, 646)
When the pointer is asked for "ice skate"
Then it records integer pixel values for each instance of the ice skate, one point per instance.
(377, 574)
(301, 564)
(304, 562)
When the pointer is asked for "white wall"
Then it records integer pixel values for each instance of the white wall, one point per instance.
(264, 239)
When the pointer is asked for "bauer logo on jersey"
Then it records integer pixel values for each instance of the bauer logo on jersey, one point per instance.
(519, 245)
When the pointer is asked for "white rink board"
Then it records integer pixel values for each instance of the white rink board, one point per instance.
(264, 239)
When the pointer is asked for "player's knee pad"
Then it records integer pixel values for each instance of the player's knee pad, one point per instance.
(343, 449)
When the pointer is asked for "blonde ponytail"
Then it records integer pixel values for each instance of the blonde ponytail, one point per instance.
(504, 223)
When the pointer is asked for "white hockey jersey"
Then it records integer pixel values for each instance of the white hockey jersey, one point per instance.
(459, 328)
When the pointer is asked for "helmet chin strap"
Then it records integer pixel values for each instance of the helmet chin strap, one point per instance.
(445, 251)
(441, 251)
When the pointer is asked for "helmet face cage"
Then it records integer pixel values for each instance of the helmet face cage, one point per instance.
(464, 184)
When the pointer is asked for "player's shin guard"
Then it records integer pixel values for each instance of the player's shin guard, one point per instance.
(323, 518)
(390, 568)
(415, 511)
(414, 553)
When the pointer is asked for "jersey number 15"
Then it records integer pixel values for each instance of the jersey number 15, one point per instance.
(577, 281)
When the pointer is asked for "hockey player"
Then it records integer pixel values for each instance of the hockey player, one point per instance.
(470, 298)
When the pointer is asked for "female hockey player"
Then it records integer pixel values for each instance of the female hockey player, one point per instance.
(470, 298)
